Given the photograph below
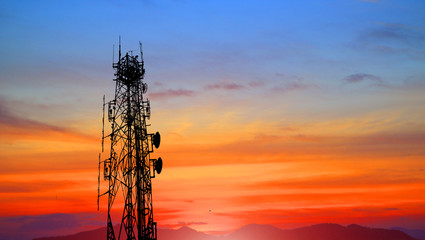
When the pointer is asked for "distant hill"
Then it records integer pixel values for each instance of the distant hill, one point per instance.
(351, 232)
(183, 233)
(325, 231)
(418, 234)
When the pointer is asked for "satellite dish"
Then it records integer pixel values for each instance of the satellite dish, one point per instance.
(158, 165)
(144, 87)
(156, 139)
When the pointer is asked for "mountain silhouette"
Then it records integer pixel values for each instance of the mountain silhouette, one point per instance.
(416, 233)
(257, 231)
(351, 232)
(326, 231)
(183, 233)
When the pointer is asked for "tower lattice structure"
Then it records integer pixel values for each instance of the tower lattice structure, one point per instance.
(129, 167)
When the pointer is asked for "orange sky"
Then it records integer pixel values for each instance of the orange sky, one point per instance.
(280, 113)
(223, 170)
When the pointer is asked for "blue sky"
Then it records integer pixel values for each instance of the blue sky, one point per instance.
(193, 43)
(295, 74)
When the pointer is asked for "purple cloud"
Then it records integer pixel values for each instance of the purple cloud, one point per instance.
(225, 86)
(360, 77)
(11, 120)
(291, 86)
(392, 38)
(7, 118)
(414, 81)
(171, 93)
(287, 83)
(255, 84)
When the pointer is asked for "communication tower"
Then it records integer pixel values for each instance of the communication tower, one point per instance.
(128, 166)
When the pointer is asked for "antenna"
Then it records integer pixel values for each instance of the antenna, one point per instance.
(141, 51)
(129, 167)
(141, 58)
(119, 54)
(103, 123)
(98, 186)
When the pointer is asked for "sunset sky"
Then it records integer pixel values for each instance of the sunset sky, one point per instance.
(287, 113)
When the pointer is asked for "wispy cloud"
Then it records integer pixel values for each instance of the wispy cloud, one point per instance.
(274, 148)
(390, 38)
(288, 83)
(395, 32)
(30, 187)
(171, 93)
(255, 84)
(360, 77)
(8, 118)
(291, 86)
(414, 82)
(15, 126)
(233, 86)
(225, 86)
(376, 178)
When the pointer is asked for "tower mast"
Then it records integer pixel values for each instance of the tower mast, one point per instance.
(129, 166)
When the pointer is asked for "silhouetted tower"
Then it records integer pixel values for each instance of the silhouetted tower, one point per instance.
(129, 166)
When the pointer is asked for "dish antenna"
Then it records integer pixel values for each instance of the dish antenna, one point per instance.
(158, 165)
(156, 139)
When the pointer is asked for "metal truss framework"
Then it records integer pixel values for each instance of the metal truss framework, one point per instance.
(129, 166)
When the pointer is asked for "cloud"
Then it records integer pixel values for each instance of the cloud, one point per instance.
(291, 86)
(391, 38)
(171, 93)
(231, 86)
(294, 146)
(225, 86)
(360, 77)
(375, 210)
(18, 127)
(7, 118)
(326, 198)
(255, 84)
(29, 227)
(394, 35)
(414, 82)
(299, 217)
(30, 187)
(288, 83)
(181, 223)
(375, 178)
